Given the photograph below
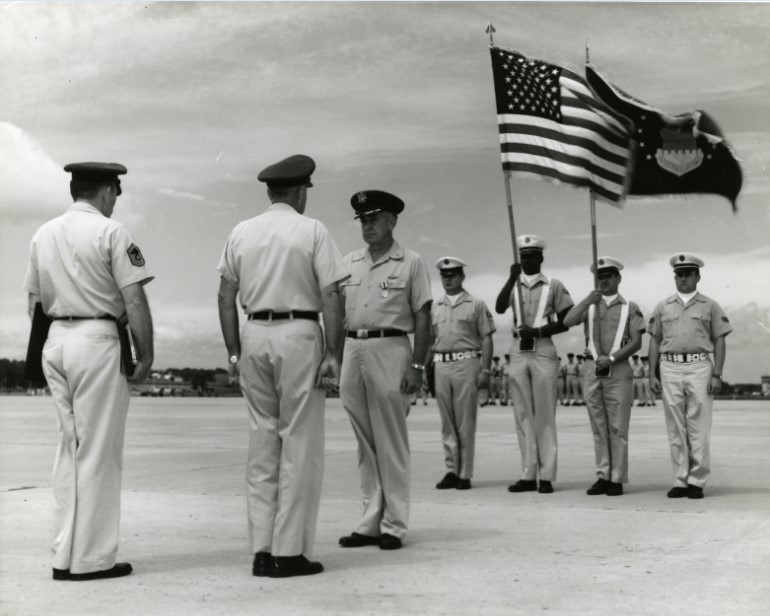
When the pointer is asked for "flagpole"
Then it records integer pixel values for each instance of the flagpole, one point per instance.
(512, 224)
(595, 254)
(520, 307)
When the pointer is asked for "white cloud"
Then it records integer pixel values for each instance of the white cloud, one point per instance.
(170, 192)
(32, 184)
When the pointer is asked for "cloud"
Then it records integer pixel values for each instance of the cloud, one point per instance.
(32, 185)
(169, 192)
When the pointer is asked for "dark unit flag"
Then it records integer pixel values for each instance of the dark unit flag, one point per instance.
(679, 154)
(553, 127)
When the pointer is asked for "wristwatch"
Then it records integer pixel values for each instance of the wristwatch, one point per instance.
(233, 359)
(716, 375)
(417, 366)
(611, 358)
(486, 371)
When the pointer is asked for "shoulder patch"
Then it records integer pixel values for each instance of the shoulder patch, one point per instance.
(639, 314)
(135, 255)
(489, 315)
(652, 320)
(565, 291)
(725, 319)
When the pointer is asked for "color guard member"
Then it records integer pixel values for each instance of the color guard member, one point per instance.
(686, 328)
(614, 329)
(87, 272)
(387, 297)
(534, 362)
(286, 269)
(462, 333)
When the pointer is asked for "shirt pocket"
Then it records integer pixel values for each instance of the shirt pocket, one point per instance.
(394, 298)
(701, 325)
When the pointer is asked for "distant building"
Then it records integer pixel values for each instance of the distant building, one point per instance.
(766, 385)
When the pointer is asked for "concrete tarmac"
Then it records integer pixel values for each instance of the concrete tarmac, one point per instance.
(484, 551)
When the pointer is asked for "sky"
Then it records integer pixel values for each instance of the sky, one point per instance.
(196, 98)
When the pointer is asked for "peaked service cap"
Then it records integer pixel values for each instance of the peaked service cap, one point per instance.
(450, 263)
(530, 242)
(96, 173)
(293, 171)
(372, 201)
(685, 259)
(607, 263)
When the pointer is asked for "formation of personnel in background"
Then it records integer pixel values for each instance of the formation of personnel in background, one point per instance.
(613, 328)
(534, 362)
(423, 392)
(648, 398)
(505, 384)
(87, 273)
(283, 362)
(638, 372)
(461, 345)
(386, 297)
(491, 394)
(685, 329)
(561, 383)
(572, 371)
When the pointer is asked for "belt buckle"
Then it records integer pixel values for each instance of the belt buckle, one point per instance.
(679, 357)
(362, 334)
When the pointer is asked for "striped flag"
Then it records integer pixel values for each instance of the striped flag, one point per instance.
(553, 127)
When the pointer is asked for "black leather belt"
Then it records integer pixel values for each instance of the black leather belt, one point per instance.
(269, 315)
(516, 336)
(364, 334)
(106, 317)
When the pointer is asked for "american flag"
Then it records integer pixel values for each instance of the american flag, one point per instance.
(552, 126)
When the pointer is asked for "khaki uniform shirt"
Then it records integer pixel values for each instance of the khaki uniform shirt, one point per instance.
(385, 294)
(462, 326)
(608, 323)
(80, 261)
(688, 329)
(281, 260)
(558, 299)
(572, 369)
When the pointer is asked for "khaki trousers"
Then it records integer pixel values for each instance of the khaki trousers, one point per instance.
(609, 401)
(533, 390)
(370, 389)
(81, 362)
(688, 410)
(458, 403)
(284, 471)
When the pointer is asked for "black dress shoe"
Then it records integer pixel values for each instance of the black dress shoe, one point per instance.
(694, 491)
(263, 563)
(289, 566)
(357, 540)
(119, 570)
(523, 485)
(449, 481)
(545, 487)
(615, 489)
(61, 574)
(463, 484)
(677, 492)
(599, 487)
(389, 542)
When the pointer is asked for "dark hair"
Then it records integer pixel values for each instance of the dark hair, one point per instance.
(86, 189)
(279, 192)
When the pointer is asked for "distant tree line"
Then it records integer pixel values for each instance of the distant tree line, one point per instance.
(12, 375)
